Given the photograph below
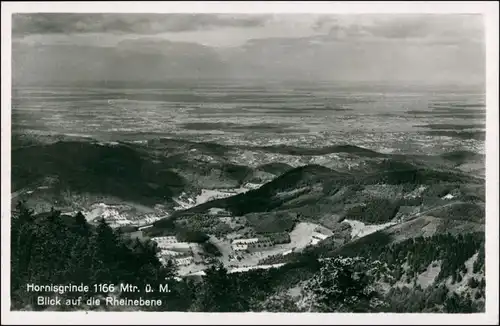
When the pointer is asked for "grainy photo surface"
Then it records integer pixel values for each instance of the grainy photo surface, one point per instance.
(248, 162)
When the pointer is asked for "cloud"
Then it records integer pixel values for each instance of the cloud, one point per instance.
(69, 23)
(444, 29)
(428, 28)
(431, 26)
(426, 48)
(421, 28)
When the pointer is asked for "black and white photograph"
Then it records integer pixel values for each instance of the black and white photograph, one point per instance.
(295, 162)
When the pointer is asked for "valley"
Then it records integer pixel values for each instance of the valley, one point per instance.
(204, 203)
(295, 208)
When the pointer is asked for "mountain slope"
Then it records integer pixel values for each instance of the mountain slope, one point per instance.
(325, 196)
(123, 170)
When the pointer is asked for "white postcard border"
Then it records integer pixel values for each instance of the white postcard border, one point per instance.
(490, 12)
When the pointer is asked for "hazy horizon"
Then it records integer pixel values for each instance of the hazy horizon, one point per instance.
(388, 49)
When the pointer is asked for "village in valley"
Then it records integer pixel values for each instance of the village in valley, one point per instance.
(239, 242)
(235, 241)
(237, 248)
(237, 253)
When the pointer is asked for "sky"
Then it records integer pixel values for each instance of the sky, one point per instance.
(391, 48)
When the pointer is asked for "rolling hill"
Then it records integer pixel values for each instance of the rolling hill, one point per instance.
(377, 194)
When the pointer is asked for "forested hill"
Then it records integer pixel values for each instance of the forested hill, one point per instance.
(147, 175)
(375, 193)
(60, 249)
(83, 166)
(52, 248)
(164, 168)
